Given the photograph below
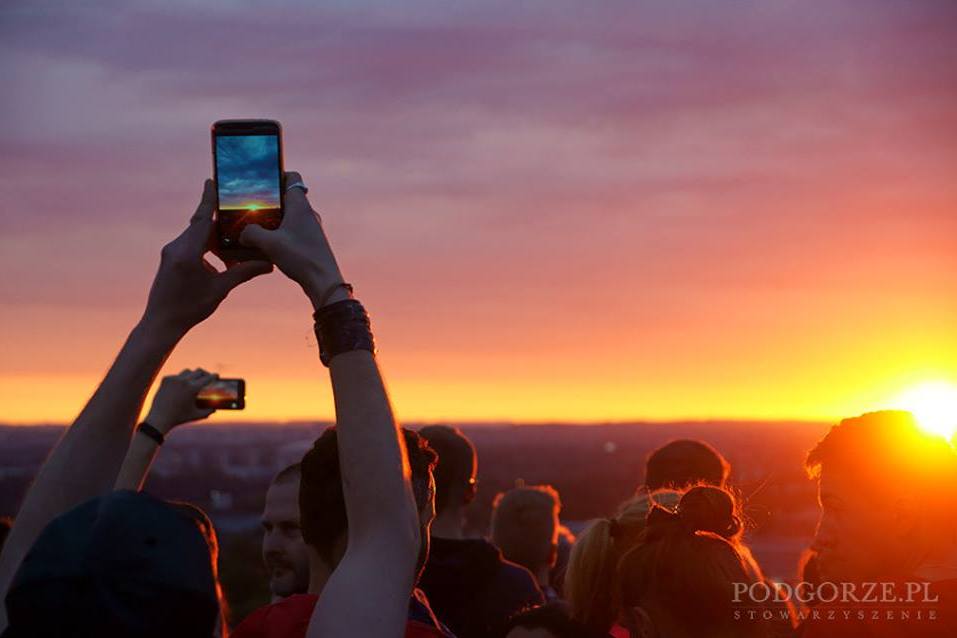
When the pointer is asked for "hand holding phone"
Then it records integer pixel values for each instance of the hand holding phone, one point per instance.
(175, 401)
(299, 247)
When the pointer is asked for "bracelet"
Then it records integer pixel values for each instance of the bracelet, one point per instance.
(150, 431)
(324, 297)
(342, 327)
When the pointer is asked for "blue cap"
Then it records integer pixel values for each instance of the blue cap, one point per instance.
(122, 564)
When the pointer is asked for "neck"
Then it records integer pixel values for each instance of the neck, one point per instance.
(319, 573)
(449, 524)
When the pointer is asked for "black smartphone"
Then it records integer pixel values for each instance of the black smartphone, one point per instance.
(248, 169)
(223, 394)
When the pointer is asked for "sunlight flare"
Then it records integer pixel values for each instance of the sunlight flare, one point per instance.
(933, 404)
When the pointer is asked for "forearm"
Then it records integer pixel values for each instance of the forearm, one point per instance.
(369, 590)
(85, 461)
(375, 471)
(137, 463)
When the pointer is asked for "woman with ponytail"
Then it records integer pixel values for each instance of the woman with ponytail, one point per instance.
(691, 575)
(590, 578)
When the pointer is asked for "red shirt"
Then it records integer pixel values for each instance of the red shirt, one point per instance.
(289, 618)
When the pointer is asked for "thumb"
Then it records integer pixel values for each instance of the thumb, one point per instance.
(255, 236)
(242, 272)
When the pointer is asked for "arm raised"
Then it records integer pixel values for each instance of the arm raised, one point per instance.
(368, 593)
(84, 463)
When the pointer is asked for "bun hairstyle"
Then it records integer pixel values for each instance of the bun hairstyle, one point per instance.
(691, 558)
(701, 509)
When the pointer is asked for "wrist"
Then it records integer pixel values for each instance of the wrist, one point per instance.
(160, 422)
(326, 290)
(158, 332)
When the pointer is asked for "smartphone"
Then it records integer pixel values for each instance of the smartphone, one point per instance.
(223, 394)
(248, 169)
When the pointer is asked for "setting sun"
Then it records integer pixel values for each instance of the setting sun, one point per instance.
(933, 404)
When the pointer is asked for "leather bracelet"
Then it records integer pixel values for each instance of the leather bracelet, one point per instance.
(150, 431)
(324, 297)
(343, 326)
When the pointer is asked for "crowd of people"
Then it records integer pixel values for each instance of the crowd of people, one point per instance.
(365, 535)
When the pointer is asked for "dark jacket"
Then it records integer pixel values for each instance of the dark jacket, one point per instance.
(472, 589)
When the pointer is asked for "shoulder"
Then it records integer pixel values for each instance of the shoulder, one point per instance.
(520, 581)
(288, 617)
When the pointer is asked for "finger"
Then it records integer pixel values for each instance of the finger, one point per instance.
(198, 373)
(243, 272)
(203, 380)
(296, 201)
(203, 413)
(255, 236)
(201, 223)
(184, 373)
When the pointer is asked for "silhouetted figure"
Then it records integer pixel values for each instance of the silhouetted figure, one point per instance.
(125, 564)
(284, 552)
(683, 463)
(325, 531)
(590, 581)
(680, 580)
(525, 528)
(472, 589)
(888, 495)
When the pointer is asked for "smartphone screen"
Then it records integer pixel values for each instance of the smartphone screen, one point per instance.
(223, 394)
(248, 171)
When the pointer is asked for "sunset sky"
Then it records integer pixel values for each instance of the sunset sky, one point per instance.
(552, 210)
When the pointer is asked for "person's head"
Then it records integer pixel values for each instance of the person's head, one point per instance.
(284, 552)
(525, 526)
(455, 484)
(322, 506)
(887, 496)
(683, 463)
(590, 577)
(123, 564)
(548, 621)
(679, 581)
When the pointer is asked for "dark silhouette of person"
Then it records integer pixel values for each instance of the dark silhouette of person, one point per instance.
(470, 586)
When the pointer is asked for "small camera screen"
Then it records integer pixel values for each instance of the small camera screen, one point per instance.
(248, 182)
(224, 393)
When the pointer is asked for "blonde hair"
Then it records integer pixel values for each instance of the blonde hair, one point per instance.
(591, 576)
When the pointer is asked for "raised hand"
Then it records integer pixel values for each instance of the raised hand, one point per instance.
(175, 401)
(299, 247)
(188, 289)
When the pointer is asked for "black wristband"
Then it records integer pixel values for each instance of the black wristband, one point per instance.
(342, 327)
(150, 431)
